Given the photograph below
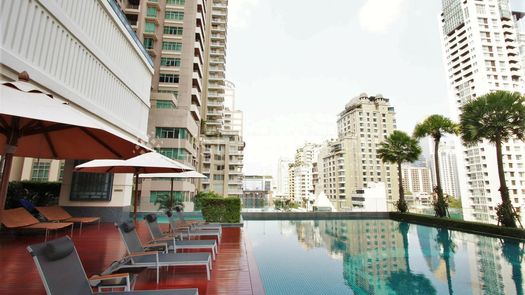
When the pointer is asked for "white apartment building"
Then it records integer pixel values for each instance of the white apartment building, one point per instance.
(448, 164)
(302, 184)
(482, 54)
(64, 47)
(417, 183)
(282, 177)
(223, 145)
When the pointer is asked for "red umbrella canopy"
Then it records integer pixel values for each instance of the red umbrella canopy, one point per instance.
(41, 126)
(34, 124)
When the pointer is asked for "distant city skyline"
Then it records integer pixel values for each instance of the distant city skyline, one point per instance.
(294, 75)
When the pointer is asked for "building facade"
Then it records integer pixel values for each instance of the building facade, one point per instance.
(223, 145)
(481, 51)
(302, 171)
(257, 191)
(352, 164)
(73, 60)
(174, 32)
(282, 183)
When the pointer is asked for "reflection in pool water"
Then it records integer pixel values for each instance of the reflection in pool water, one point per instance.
(381, 257)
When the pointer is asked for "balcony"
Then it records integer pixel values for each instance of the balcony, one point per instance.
(131, 9)
(195, 97)
(195, 113)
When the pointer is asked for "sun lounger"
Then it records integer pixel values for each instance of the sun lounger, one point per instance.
(199, 224)
(62, 272)
(178, 227)
(56, 213)
(146, 256)
(173, 243)
(19, 218)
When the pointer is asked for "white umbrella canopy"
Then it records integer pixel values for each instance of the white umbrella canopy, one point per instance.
(189, 174)
(152, 162)
(34, 124)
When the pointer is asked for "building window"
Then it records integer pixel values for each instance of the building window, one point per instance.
(175, 2)
(164, 104)
(150, 27)
(91, 186)
(40, 171)
(173, 30)
(174, 92)
(169, 62)
(61, 171)
(154, 195)
(173, 153)
(174, 15)
(152, 12)
(165, 132)
(168, 78)
(148, 43)
(173, 46)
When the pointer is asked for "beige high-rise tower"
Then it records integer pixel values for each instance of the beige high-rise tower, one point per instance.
(351, 164)
(223, 146)
(176, 35)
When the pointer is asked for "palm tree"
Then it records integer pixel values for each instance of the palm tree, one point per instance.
(399, 147)
(404, 281)
(496, 117)
(436, 126)
(169, 204)
(445, 240)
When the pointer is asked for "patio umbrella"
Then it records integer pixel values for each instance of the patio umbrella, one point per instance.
(34, 124)
(172, 176)
(146, 163)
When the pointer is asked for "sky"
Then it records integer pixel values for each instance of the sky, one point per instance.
(296, 63)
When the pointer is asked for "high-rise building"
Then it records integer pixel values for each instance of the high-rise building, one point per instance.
(223, 145)
(417, 183)
(482, 54)
(174, 32)
(282, 177)
(302, 184)
(352, 164)
(448, 164)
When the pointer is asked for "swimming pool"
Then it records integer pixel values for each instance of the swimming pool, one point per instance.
(381, 257)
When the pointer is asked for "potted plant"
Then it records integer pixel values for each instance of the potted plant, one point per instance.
(168, 204)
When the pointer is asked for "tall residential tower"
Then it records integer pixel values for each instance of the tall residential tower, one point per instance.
(482, 54)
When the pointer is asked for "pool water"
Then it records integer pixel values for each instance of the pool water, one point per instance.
(381, 257)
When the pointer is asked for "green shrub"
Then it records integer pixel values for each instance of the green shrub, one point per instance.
(39, 193)
(201, 195)
(224, 210)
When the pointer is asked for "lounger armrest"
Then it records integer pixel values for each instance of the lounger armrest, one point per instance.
(109, 277)
(160, 240)
(97, 278)
(156, 246)
(137, 254)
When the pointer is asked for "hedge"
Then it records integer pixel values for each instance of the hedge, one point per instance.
(39, 193)
(223, 210)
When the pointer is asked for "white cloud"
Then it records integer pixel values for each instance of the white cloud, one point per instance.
(240, 12)
(377, 15)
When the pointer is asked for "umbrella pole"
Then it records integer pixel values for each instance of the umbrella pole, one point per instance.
(6, 170)
(135, 201)
(7, 159)
(171, 191)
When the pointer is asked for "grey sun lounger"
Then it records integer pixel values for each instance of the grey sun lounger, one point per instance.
(62, 272)
(198, 224)
(173, 243)
(189, 232)
(146, 256)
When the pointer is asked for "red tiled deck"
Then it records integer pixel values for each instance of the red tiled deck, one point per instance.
(234, 270)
